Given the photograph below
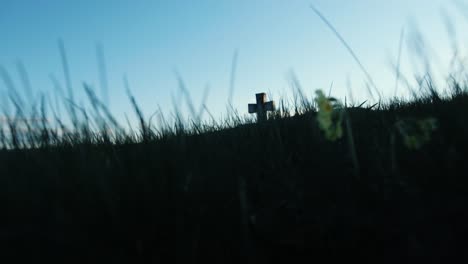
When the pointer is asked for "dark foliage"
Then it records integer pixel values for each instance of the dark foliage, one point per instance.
(176, 195)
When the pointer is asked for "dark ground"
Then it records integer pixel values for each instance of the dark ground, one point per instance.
(176, 199)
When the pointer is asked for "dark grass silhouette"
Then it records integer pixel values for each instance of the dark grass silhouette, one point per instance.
(176, 196)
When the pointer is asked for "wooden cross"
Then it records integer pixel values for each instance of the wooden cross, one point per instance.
(261, 107)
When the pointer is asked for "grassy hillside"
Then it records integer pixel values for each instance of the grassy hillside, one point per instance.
(391, 186)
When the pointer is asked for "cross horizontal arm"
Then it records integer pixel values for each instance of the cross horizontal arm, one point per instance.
(269, 106)
(252, 108)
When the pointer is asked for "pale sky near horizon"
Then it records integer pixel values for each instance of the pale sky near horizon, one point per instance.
(148, 41)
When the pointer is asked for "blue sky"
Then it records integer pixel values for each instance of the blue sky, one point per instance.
(148, 41)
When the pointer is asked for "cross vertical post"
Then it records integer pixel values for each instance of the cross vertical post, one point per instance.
(261, 107)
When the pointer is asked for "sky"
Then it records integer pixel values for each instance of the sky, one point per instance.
(154, 44)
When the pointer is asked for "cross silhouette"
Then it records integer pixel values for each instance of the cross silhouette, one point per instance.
(261, 107)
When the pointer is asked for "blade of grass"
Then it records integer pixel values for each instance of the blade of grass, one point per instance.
(232, 80)
(397, 73)
(102, 74)
(346, 45)
(68, 84)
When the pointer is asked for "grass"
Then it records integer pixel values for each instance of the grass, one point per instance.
(319, 179)
(269, 191)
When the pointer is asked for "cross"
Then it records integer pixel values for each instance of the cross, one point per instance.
(261, 107)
